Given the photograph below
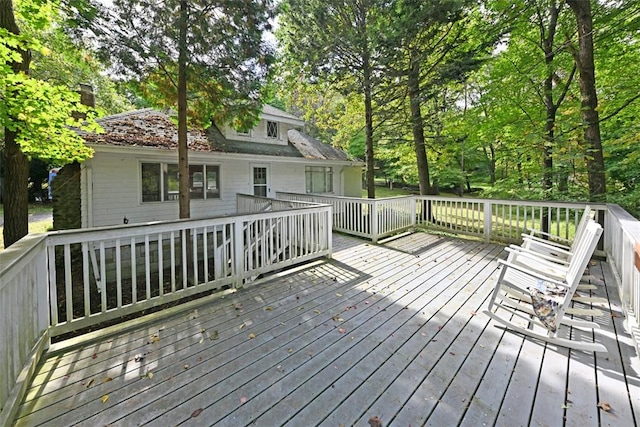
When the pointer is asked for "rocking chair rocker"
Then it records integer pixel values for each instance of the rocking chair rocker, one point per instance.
(541, 292)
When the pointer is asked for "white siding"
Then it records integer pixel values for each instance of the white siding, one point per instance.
(352, 181)
(116, 187)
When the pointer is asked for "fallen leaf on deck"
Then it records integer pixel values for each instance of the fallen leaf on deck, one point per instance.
(342, 330)
(564, 406)
(269, 308)
(150, 375)
(104, 398)
(338, 295)
(237, 306)
(375, 422)
(94, 355)
(243, 325)
(153, 339)
(106, 380)
(615, 315)
(186, 366)
(214, 335)
(90, 383)
(366, 302)
(243, 400)
(252, 336)
(196, 412)
(473, 313)
(201, 340)
(604, 406)
(316, 311)
(138, 357)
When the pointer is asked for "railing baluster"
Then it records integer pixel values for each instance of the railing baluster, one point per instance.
(68, 282)
(118, 274)
(85, 278)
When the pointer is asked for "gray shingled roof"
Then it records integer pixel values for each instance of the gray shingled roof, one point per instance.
(152, 128)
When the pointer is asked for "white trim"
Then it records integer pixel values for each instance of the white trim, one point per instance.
(213, 156)
(252, 166)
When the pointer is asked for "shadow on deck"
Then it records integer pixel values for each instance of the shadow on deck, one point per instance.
(394, 331)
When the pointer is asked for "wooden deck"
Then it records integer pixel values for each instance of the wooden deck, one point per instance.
(394, 331)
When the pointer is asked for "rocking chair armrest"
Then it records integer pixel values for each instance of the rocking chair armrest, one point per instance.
(547, 268)
(542, 256)
(559, 245)
(548, 245)
(532, 273)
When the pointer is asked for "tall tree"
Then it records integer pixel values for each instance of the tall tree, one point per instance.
(437, 43)
(339, 41)
(590, 117)
(36, 116)
(207, 59)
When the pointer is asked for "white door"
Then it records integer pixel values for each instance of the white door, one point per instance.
(260, 180)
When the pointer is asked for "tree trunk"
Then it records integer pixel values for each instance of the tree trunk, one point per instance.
(368, 112)
(417, 126)
(16, 164)
(183, 149)
(551, 108)
(586, 67)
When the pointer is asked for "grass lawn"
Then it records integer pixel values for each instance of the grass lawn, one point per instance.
(34, 226)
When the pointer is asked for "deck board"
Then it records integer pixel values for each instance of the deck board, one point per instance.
(393, 330)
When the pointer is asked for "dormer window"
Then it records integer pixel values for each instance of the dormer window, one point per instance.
(272, 129)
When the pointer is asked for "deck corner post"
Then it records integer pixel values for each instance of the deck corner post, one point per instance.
(487, 221)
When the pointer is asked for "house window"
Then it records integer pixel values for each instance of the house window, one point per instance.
(272, 130)
(213, 183)
(319, 179)
(161, 182)
(151, 182)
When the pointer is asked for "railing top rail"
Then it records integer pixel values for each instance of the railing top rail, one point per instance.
(21, 249)
(628, 222)
(142, 229)
(545, 203)
(270, 199)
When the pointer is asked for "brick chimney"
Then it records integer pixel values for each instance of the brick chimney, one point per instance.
(86, 98)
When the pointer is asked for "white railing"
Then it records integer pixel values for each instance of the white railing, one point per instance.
(24, 319)
(246, 203)
(65, 281)
(622, 246)
(501, 220)
(492, 220)
(109, 272)
(369, 218)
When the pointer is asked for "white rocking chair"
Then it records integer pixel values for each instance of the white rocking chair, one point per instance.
(527, 292)
(554, 248)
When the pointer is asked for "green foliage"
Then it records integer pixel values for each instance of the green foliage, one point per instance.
(228, 63)
(40, 112)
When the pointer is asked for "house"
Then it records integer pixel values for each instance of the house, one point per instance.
(133, 175)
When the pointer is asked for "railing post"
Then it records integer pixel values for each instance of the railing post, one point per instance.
(373, 216)
(329, 231)
(487, 221)
(413, 210)
(238, 251)
(42, 276)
